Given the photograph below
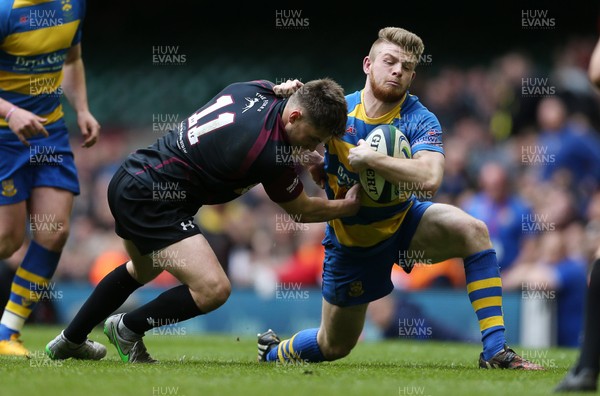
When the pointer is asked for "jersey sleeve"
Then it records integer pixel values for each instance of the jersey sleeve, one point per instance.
(5, 10)
(78, 33)
(264, 83)
(284, 187)
(426, 134)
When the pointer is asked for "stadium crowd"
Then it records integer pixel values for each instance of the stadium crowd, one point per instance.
(522, 145)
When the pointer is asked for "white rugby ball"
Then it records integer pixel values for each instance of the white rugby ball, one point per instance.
(387, 140)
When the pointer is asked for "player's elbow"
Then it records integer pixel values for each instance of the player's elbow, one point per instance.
(432, 183)
(431, 186)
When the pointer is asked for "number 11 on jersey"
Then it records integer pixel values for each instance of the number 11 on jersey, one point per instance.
(195, 131)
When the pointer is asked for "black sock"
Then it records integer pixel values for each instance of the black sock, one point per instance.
(590, 349)
(108, 296)
(170, 307)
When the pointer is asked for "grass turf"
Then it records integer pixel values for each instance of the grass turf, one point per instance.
(226, 365)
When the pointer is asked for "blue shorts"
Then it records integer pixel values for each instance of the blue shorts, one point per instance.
(48, 162)
(353, 276)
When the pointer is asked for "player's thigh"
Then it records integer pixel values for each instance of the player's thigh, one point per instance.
(341, 326)
(446, 231)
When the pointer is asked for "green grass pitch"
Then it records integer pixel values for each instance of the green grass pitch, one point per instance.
(226, 365)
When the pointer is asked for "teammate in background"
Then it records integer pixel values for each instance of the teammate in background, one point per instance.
(583, 376)
(244, 136)
(361, 250)
(40, 59)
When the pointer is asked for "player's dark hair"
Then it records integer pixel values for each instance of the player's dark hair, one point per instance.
(325, 104)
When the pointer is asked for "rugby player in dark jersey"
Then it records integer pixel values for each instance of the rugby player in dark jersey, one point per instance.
(583, 375)
(231, 144)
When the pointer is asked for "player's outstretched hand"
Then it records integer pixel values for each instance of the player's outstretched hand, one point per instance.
(26, 125)
(90, 128)
(287, 88)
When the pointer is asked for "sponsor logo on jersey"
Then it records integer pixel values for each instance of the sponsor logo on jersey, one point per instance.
(252, 101)
(432, 137)
(250, 104)
(344, 178)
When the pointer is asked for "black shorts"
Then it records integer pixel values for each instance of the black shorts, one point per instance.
(153, 215)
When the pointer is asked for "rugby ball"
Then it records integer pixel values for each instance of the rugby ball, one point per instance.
(387, 140)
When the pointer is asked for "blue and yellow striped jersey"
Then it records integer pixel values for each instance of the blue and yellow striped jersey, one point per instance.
(375, 222)
(35, 36)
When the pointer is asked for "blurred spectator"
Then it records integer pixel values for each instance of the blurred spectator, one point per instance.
(513, 111)
(456, 179)
(444, 97)
(566, 149)
(509, 218)
(557, 276)
(305, 266)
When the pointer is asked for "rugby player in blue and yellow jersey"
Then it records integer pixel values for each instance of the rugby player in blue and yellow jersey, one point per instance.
(40, 60)
(361, 250)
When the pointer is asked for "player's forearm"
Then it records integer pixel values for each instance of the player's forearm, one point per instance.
(410, 174)
(319, 209)
(74, 85)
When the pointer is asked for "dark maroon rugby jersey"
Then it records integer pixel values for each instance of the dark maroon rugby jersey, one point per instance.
(222, 150)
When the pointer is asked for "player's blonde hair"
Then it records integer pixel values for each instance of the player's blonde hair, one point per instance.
(408, 41)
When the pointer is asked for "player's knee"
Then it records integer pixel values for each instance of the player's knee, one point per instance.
(222, 292)
(53, 240)
(479, 231)
(212, 294)
(336, 351)
(474, 235)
